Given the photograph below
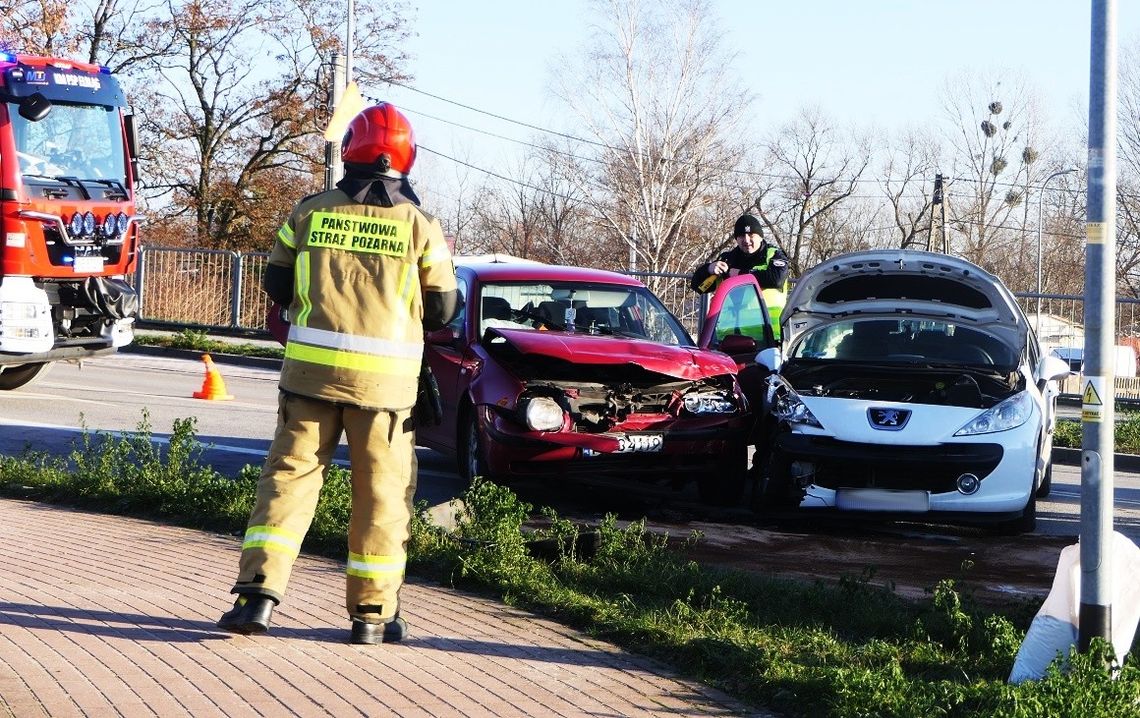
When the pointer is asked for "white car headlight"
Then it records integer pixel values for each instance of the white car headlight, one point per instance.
(543, 414)
(1009, 414)
(789, 407)
(710, 402)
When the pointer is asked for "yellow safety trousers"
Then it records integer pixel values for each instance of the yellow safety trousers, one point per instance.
(381, 449)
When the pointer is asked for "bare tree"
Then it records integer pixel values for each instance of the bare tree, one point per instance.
(1128, 173)
(660, 116)
(233, 113)
(534, 214)
(39, 27)
(909, 169)
(812, 169)
(994, 126)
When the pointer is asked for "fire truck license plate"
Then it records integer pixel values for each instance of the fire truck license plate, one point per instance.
(630, 443)
(88, 264)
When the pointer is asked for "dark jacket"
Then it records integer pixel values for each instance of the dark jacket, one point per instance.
(768, 264)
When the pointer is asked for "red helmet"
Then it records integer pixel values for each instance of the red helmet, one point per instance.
(380, 135)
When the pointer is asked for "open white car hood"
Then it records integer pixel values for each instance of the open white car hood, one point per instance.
(893, 281)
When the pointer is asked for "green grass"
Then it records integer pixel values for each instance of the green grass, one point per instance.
(804, 649)
(1126, 436)
(200, 341)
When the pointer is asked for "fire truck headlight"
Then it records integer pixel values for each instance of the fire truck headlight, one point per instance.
(109, 226)
(123, 222)
(89, 223)
(75, 226)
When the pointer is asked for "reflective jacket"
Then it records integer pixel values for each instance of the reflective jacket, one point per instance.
(768, 264)
(360, 272)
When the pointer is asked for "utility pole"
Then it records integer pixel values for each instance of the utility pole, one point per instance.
(333, 168)
(1097, 396)
(937, 216)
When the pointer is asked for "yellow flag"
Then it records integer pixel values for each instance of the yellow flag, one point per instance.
(350, 105)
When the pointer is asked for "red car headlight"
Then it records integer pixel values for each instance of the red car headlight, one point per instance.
(542, 413)
(710, 402)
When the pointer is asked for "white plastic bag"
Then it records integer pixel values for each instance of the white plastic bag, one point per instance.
(1055, 628)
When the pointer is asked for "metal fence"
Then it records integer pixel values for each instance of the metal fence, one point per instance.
(221, 291)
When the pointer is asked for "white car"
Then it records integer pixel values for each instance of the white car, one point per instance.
(908, 385)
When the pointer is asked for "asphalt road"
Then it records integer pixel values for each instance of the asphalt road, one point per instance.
(116, 393)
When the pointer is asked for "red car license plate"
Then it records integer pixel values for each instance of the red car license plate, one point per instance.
(638, 443)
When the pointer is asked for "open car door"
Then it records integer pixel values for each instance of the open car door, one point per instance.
(738, 324)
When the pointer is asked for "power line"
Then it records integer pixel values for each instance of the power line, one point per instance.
(603, 145)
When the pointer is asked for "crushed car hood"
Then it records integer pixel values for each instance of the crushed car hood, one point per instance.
(889, 281)
(601, 349)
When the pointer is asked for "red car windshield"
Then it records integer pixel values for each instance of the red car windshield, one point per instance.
(565, 306)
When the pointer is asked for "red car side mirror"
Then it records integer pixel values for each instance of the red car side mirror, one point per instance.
(737, 344)
(277, 322)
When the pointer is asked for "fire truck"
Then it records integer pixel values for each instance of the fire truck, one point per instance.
(68, 227)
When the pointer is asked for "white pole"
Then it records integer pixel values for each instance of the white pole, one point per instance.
(1040, 202)
(348, 43)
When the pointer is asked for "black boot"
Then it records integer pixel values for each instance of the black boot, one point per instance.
(250, 614)
(372, 633)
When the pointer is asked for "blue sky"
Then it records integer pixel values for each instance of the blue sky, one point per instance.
(868, 63)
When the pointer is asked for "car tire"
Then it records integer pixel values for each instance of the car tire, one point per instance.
(773, 488)
(470, 455)
(1046, 482)
(724, 485)
(14, 377)
(1024, 524)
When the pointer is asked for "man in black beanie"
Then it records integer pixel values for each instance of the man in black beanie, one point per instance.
(752, 254)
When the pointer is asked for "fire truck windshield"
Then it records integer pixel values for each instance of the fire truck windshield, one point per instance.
(73, 142)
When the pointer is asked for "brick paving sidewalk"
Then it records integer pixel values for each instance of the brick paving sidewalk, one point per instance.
(109, 616)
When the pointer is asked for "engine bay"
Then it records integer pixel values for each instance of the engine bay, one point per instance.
(939, 386)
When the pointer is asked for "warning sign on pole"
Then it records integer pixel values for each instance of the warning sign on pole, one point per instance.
(1092, 405)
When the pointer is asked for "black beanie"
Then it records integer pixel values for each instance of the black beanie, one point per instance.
(747, 224)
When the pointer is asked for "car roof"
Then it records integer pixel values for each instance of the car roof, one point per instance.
(490, 271)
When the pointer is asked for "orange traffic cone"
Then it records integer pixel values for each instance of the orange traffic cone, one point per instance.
(213, 387)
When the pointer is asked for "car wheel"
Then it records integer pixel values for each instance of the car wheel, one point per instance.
(724, 485)
(14, 377)
(470, 454)
(773, 487)
(1026, 523)
(1046, 482)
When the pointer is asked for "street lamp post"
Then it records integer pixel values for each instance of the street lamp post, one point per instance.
(1040, 202)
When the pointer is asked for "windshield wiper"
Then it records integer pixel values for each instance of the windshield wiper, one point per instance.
(608, 330)
(65, 179)
(116, 185)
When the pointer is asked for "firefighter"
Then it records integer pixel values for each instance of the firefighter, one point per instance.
(766, 262)
(363, 271)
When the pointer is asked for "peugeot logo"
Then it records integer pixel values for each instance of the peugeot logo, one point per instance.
(888, 419)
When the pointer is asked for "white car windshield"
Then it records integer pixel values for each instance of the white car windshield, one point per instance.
(596, 309)
(903, 340)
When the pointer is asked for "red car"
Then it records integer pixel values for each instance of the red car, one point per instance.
(564, 371)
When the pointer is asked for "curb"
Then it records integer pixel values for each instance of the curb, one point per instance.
(1120, 462)
(219, 358)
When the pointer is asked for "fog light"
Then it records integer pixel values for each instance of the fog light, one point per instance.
(968, 484)
(802, 473)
